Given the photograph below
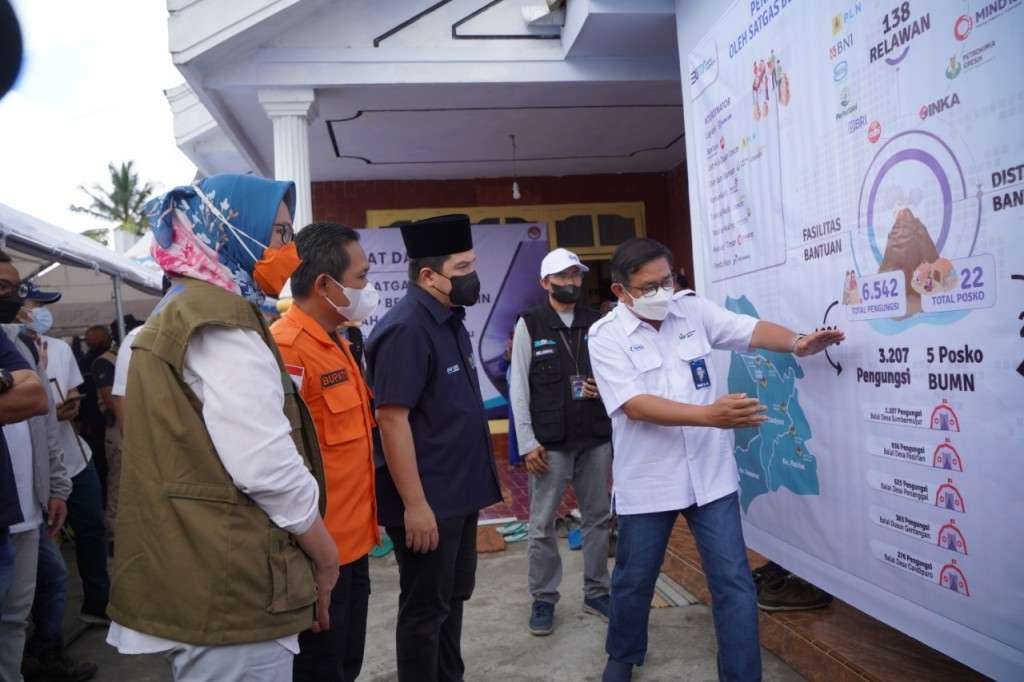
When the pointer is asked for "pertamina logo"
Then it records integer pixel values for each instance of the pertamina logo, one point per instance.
(938, 106)
(840, 47)
(846, 104)
(962, 27)
(953, 69)
(840, 71)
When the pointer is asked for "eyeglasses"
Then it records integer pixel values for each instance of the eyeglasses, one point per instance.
(668, 284)
(20, 290)
(285, 230)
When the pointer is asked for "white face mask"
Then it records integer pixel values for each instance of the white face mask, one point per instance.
(653, 307)
(42, 321)
(361, 302)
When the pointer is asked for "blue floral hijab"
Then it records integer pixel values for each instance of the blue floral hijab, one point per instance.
(216, 229)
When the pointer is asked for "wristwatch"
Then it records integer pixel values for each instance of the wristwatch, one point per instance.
(6, 381)
(796, 340)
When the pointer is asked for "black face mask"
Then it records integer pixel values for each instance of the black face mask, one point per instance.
(465, 289)
(9, 308)
(566, 293)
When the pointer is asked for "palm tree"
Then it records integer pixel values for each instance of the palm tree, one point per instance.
(122, 203)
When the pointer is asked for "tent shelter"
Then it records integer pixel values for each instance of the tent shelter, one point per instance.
(90, 277)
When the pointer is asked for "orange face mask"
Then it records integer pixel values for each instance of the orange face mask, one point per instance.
(274, 269)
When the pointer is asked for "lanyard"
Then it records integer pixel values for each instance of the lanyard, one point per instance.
(575, 356)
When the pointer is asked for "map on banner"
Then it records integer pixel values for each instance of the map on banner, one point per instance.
(860, 164)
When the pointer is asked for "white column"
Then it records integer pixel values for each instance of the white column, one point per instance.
(291, 110)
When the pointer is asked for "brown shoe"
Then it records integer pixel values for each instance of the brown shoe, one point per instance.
(791, 594)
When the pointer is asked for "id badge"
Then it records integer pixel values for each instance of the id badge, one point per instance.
(699, 370)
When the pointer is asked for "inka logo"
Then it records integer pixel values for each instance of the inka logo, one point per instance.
(840, 71)
(938, 106)
(701, 69)
(954, 68)
(962, 27)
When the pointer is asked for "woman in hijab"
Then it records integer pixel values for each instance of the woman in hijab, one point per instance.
(221, 550)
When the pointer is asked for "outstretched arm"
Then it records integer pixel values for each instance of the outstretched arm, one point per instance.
(775, 337)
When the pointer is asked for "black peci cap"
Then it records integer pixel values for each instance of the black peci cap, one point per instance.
(438, 236)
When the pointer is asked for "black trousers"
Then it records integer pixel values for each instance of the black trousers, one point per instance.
(337, 654)
(434, 588)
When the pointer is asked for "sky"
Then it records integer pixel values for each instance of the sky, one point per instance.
(90, 92)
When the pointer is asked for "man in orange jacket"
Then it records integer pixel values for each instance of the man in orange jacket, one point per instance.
(330, 287)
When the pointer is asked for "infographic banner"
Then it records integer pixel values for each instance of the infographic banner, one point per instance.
(508, 263)
(861, 165)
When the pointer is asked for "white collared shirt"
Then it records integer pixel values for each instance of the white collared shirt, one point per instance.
(663, 468)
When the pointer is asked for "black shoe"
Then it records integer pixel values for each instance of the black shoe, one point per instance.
(617, 671)
(94, 615)
(771, 572)
(57, 667)
(791, 594)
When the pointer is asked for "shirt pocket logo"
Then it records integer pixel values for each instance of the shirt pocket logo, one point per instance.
(454, 369)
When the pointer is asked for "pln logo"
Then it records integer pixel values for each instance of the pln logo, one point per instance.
(841, 18)
(962, 27)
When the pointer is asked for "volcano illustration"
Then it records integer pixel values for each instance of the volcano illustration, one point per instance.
(908, 246)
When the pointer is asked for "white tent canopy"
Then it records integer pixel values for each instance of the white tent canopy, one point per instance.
(91, 287)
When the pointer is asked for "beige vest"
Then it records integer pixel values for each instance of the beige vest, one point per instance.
(196, 560)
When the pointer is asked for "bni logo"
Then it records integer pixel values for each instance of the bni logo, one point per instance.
(962, 27)
(840, 71)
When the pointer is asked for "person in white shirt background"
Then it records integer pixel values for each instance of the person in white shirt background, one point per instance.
(43, 489)
(673, 451)
(44, 652)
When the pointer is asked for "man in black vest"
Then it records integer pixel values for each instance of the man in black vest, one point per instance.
(564, 434)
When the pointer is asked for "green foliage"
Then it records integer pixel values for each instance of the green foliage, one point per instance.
(121, 203)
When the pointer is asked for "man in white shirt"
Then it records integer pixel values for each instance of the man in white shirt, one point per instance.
(85, 506)
(673, 455)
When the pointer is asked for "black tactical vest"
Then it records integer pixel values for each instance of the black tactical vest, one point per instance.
(558, 352)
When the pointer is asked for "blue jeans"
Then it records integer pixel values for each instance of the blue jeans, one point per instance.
(643, 539)
(85, 516)
(6, 563)
(51, 597)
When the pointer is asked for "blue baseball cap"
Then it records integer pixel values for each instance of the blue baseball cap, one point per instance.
(34, 293)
